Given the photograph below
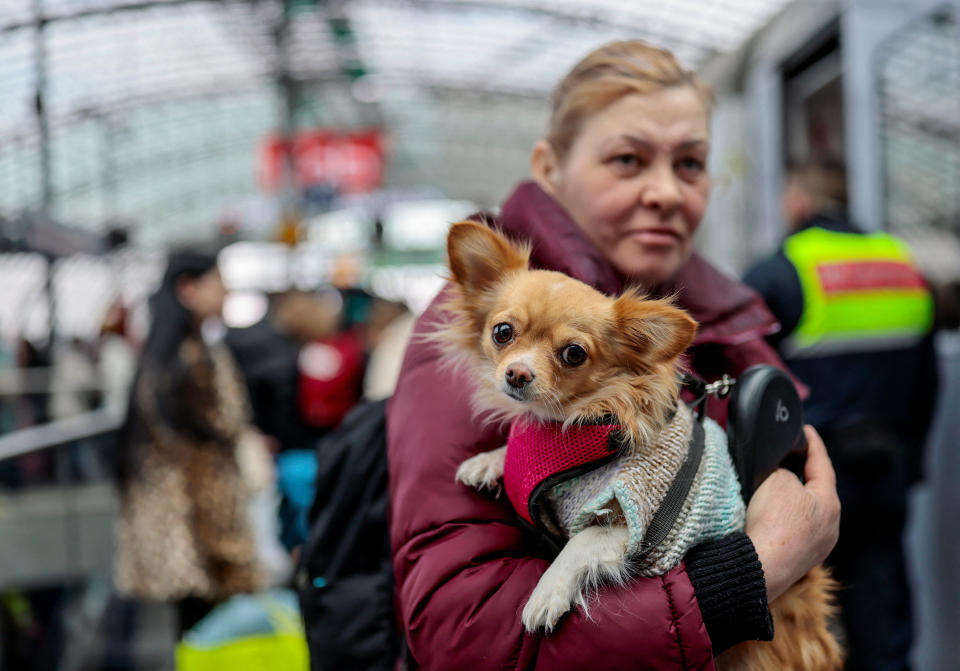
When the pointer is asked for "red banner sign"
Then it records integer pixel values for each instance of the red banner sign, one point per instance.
(351, 161)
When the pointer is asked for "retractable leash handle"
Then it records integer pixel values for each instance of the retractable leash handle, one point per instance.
(764, 422)
(765, 426)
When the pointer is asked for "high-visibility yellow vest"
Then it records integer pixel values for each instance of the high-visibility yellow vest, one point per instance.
(860, 293)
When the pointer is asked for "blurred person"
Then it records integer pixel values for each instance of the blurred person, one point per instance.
(74, 381)
(27, 410)
(391, 325)
(184, 532)
(34, 407)
(116, 356)
(856, 320)
(7, 403)
(331, 367)
(76, 388)
(268, 355)
(31, 620)
(619, 188)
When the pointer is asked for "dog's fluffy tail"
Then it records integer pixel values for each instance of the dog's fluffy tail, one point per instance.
(802, 636)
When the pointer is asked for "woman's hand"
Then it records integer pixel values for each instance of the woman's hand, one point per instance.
(795, 525)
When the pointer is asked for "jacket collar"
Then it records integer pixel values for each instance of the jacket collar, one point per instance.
(831, 221)
(727, 311)
(558, 243)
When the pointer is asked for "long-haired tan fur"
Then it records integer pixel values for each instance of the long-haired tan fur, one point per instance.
(802, 639)
(634, 343)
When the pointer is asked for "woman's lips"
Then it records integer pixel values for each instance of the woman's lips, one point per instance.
(657, 237)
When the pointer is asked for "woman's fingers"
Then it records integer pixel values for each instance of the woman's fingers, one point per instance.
(794, 525)
(818, 468)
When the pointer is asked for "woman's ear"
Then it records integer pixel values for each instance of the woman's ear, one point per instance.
(544, 166)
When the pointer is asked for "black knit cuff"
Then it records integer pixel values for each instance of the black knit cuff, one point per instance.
(728, 581)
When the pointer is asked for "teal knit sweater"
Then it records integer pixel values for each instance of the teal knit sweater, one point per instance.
(630, 489)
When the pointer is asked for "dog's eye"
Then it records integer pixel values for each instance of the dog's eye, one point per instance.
(502, 333)
(573, 355)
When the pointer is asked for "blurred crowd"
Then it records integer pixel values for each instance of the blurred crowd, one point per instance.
(215, 457)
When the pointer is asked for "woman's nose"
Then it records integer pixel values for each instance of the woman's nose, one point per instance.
(661, 189)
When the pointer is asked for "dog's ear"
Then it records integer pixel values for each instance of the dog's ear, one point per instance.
(654, 330)
(479, 257)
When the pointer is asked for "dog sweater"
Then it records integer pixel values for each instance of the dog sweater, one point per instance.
(631, 488)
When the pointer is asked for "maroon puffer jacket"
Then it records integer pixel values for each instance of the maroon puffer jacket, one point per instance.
(464, 567)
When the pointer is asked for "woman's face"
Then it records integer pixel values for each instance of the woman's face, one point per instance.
(635, 180)
(204, 295)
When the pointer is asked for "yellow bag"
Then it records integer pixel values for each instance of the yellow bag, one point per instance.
(255, 632)
(273, 652)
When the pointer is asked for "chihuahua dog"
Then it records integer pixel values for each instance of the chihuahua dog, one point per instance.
(545, 349)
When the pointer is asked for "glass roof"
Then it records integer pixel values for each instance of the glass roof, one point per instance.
(155, 110)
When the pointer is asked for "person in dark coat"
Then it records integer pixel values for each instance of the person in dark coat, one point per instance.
(857, 321)
(267, 355)
(619, 188)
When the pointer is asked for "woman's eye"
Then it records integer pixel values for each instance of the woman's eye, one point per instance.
(626, 160)
(573, 355)
(502, 333)
(690, 167)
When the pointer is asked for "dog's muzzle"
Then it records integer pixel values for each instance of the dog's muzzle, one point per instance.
(517, 382)
(518, 376)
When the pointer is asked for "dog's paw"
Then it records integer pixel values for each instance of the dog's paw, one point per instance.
(544, 609)
(483, 471)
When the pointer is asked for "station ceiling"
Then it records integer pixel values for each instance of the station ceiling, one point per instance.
(151, 114)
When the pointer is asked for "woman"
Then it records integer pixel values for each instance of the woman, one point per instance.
(183, 532)
(619, 188)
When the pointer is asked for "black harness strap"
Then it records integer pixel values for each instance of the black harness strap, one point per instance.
(672, 503)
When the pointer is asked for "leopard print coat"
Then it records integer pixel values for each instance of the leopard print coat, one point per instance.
(183, 529)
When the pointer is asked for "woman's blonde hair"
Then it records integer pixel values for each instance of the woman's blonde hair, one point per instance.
(607, 74)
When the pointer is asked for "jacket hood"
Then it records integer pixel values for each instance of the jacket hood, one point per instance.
(728, 312)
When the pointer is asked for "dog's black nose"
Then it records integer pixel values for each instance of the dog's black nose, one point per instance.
(519, 376)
